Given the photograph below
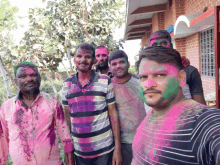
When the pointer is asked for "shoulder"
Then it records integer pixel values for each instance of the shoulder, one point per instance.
(49, 97)
(69, 79)
(190, 69)
(9, 102)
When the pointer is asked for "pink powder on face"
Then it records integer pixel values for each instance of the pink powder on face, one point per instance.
(149, 82)
(101, 51)
(29, 70)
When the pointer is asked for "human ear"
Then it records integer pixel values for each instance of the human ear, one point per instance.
(182, 78)
(16, 81)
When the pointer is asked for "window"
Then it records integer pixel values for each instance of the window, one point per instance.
(207, 53)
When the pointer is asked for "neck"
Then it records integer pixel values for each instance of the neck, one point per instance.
(123, 79)
(84, 75)
(178, 98)
(30, 96)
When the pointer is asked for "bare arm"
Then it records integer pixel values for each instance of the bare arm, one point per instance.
(199, 98)
(113, 115)
(67, 116)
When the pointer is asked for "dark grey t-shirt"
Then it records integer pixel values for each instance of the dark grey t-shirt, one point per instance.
(193, 81)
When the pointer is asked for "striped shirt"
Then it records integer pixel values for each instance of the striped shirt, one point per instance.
(90, 124)
(187, 134)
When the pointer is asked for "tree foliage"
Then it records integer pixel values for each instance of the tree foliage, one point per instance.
(91, 21)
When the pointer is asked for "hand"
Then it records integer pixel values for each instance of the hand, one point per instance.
(69, 159)
(185, 61)
(117, 158)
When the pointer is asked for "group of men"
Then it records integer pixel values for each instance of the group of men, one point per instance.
(104, 120)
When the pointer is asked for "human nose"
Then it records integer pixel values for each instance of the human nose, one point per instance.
(149, 83)
(29, 78)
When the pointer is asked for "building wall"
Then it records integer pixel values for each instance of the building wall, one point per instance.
(197, 6)
(190, 45)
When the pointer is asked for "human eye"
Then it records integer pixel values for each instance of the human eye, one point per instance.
(88, 57)
(143, 78)
(163, 43)
(113, 64)
(34, 75)
(160, 75)
(154, 44)
(22, 76)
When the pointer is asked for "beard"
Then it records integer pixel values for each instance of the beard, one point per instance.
(102, 67)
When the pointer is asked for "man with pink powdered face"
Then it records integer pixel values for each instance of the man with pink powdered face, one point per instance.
(177, 130)
(193, 88)
(29, 122)
(101, 55)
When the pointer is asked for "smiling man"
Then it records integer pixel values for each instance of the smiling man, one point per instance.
(129, 104)
(177, 130)
(89, 104)
(29, 121)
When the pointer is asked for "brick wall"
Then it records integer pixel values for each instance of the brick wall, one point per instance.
(197, 6)
(208, 85)
(181, 46)
(190, 45)
(144, 39)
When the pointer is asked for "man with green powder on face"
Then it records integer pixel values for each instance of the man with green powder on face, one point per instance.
(176, 130)
(193, 88)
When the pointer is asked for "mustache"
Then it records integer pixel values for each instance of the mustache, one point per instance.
(30, 83)
(151, 90)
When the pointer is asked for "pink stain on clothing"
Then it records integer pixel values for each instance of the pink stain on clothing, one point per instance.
(83, 119)
(60, 113)
(32, 137)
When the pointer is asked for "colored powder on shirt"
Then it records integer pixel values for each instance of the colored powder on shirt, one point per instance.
(1, 129)
(169, 125)
(52, 134)
(23, 135)
(60, 114)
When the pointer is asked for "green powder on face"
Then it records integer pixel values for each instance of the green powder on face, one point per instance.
(172, 89)
(141, 90)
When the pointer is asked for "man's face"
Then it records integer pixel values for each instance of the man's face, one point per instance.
(101, 58)
(83, 60)
(27, 79)
(156, 40)
(119, 67)
(159, 83)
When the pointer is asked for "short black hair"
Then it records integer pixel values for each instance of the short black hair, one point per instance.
(117, 54)
(86, 46)
(163, 34)
(24, 64)
(101, 46)
(160, 55)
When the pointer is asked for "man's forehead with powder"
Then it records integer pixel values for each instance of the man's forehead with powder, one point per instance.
(101, 51)
(157, 68)
(84, 51)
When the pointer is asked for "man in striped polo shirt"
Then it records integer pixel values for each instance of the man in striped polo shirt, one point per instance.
(90, 111)
(177, 130)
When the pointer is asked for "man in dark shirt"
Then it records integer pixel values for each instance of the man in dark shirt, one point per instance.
(193, 88)
(177, 130)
